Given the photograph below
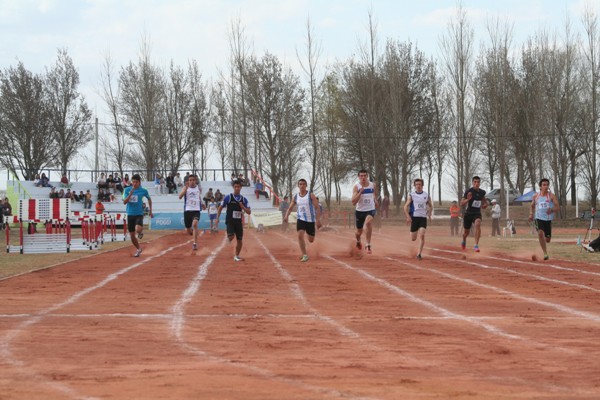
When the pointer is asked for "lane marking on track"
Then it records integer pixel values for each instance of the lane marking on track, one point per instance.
(179, 320)
(6, 340)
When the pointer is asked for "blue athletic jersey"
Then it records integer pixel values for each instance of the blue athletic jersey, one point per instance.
(135, 205)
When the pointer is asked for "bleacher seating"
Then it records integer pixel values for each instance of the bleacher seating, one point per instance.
(160, 202)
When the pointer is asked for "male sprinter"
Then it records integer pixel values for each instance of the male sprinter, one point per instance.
(308, 215)
(422, 208)
(192, 206)
(475, 201)
(236, 204)
(543, 207)
(133, 199)
(364, 197)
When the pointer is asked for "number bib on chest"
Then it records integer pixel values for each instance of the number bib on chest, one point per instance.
(237, 215)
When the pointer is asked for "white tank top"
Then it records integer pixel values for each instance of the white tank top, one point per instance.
(366, 202)
(419, 201)
(305, 208)
(192, 199)
(542, 205)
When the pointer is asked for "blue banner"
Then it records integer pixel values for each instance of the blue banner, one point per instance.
(174, 221)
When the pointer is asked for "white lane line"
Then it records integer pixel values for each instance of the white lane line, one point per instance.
(6, 340)
(179, 320)
(558, 307)
(427, 304)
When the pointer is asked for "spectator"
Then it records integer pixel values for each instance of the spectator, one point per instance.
(218, 196)
(170, 183)
(233, 179)
(61, 194)
(245, 182)
(283, 207)
(64, 181)
(496, 212)
(259, 189)
(7, 207)
(37, 181)
(385, 207)
(75, 196)
(118, 184)
(178, 181)
(186, 177)
(126, 182)
(69, 194)
(44, 181)
(102, 195)
(159, 184)
(99, 208)
(53, 193)
(81, 196)
(87, 203)
(110, 182)
(2, 217)
(102, 182)
(454, 217)
(145, 208)
(209, 195)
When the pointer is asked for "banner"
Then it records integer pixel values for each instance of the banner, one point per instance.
(174, 221)
(269, 218)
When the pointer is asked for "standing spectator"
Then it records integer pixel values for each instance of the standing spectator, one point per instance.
(64, 181)
(213, 206)
(385, 207)
(170, 182)
(178, 181)
(454, 218)
(87, 203)
(133, 199)
(496, 212)
(159, 184)
(209, 195)
(283, 207)
(102, 182)
(2, 217)
(5, 210)
(259, 189)
(218, 196)
(99, 207)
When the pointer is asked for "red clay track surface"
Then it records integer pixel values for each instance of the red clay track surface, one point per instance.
(179, 325)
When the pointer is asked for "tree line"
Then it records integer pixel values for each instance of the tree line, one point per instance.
(512, 114)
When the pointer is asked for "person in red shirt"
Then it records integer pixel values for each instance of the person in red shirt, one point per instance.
(99, 208)
(454, 217)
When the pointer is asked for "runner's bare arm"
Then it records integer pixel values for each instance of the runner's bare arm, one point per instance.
(183, 191)
(406, 208)
(356, 194)
(150, 208)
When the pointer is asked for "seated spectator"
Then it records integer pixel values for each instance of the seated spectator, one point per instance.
(99, 207)
(259, 189)
(170, 183)
(186, 177)
(81, 196)
(209, 195)
(159, 184)
(145, 208)
(61, 194)
(118, 184)
(178, 181)
(87, 203)
(102, 182)
(75, 196)
(37, 181)
(100, 195)
(110, 182)
(64, 181)
(233, 179)
(126, 182)
(69, 194)
(44, 181)
(218, 196)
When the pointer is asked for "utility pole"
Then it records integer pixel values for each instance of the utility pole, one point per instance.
(96, 155)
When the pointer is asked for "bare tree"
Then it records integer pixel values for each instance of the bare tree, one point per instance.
(25, 126)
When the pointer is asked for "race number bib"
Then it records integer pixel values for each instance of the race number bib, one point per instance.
(192, 203)
(476, 204)
(543, 205)
(237, 215)
(421, 206)
(366, 202)
(134, 198)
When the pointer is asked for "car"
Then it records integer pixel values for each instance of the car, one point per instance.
(495, 195)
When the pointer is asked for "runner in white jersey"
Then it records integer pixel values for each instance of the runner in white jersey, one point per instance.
(192, 206)
(308, 214)
(421, 211)
(543, 208)
(364, 198)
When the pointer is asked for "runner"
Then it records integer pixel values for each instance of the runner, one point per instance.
(364, 197)
(421, 211)
(236, 204)
(192, 207)
(475, 201)
(133, 199)
(543, 207)
(212, 214)
(308, 214)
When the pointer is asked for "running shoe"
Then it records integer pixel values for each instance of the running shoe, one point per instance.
(419, 257)
(194, 246)
(463, 245)
(369, 249)
(304, 258)
(476, 248)
(140, 235)
(359, 245)
(138, 252)
(238, 258)
(546, 257)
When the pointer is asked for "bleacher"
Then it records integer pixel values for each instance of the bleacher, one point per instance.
(160, 202)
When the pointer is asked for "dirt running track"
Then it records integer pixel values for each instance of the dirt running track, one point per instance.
(178, 325)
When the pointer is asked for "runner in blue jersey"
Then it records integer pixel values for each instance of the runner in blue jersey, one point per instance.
(236, 205)
(133, 199)
(543, 207)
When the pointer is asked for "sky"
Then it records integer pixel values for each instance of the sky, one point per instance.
(31, 31)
